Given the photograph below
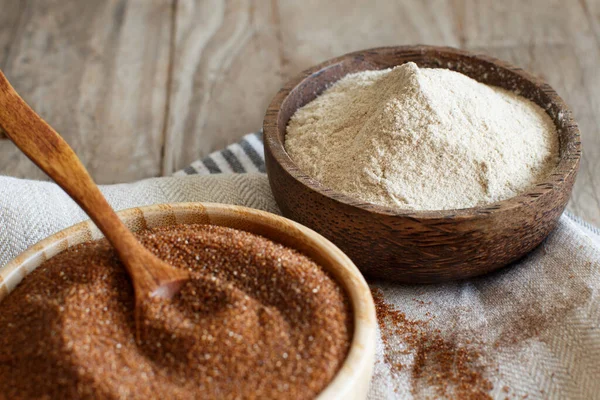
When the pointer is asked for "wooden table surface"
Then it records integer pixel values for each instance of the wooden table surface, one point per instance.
(141, 88)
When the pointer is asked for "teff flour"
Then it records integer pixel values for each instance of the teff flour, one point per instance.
(422, 139)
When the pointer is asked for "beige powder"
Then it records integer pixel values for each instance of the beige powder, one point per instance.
(422, 139)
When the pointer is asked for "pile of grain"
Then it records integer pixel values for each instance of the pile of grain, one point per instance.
(257, 320)
(422, 139)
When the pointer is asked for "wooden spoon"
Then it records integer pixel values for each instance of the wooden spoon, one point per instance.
(47, 149)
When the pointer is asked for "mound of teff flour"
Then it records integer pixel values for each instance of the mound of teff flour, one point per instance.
(422, 139)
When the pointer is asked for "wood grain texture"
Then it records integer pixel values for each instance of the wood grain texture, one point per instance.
(97, 72)
(562, 46)
(226, 68)
(422, 246)
(9, 29)
(312, 33)
(10, 24)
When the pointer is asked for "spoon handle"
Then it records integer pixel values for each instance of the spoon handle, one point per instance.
(48, 150)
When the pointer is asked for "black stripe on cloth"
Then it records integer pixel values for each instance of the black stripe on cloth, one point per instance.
(210, 164)
(253, 155)
(232, 160)
(259, 135)
(189, 170)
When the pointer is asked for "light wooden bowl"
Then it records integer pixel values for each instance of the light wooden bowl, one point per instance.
(351, 382)
(421, 246)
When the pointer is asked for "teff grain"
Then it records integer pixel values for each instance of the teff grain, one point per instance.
(249, 325)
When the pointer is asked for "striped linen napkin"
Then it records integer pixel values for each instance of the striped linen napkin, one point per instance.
(531, 330)
(245, 156)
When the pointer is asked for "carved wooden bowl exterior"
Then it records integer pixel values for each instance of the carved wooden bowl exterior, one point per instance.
(422, 246)
(351, 381)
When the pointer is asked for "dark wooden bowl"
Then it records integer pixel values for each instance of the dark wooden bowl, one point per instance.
(422, 246)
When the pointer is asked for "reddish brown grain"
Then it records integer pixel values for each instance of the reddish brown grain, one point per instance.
(447, 368)
(258, 320)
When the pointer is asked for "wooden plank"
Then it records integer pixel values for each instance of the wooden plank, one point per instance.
(559, 44)
(226, 69)
(97, 72)
(312, 33)
(10, 19)
(9, 27)
(586, 199)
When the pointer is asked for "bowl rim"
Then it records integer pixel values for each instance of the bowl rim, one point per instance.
(568, 161)
(351, 376)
